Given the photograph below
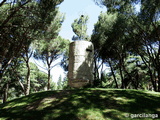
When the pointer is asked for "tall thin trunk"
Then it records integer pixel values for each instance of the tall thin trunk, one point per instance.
(23, 88)
(122, 79)
(158, 81)
(121, 73)
(28, 78)
(121, 60)
(49, 75)
(101, 81)
(150, 72)
(158, 68)
(96, 73)
(152, 80)
(3, 69)
(26, 58)
(5, 92)
(114, 77)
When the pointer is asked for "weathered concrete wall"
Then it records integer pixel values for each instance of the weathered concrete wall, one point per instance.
(80, 64)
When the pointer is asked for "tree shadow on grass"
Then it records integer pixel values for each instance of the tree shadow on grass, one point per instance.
(81, 105)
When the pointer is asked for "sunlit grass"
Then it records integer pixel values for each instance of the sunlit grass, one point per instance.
(123, 100)
(87, 104)
(91, 114)
(11, 105)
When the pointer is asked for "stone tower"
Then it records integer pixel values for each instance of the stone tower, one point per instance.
(80, 64)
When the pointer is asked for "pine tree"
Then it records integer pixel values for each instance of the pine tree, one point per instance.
(59, 83)
(79, 27)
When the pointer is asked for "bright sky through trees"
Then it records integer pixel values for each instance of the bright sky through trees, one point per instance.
(73, 9)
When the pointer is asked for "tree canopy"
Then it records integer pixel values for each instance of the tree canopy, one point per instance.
(22, 23)
(79, 27)
(123, 32)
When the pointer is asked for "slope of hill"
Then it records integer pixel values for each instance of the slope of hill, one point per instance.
(87, 104)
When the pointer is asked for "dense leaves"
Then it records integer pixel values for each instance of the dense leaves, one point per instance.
(124, 34)
(21, 23)
(79, 27)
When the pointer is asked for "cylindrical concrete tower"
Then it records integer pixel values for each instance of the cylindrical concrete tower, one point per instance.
(80, 64)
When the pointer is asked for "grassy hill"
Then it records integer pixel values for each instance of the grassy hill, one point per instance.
(87, 104)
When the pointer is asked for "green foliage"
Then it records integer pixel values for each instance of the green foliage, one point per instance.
(49, 50)
(59, 83)
(16, 79)
(62, 83)
(79, 27)
(50, 45)
(53, 48)
(20, 23)
(53, 85)
(121, 35)
(38, 78)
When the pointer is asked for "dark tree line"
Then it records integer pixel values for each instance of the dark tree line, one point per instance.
(24, 25)
(128, 41)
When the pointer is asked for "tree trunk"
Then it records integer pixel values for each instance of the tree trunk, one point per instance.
(158, 82)
(158, 67)
(28, 78)
(4, 67)
(5, 93)
(121, 74)
(49, 75)
(152, 80)
(150, 72)
(114, 77)
(96, 73)
(23, 88)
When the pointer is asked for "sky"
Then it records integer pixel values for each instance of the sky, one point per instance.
(73, 9)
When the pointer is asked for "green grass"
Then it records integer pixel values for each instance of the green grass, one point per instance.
(87, 104)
